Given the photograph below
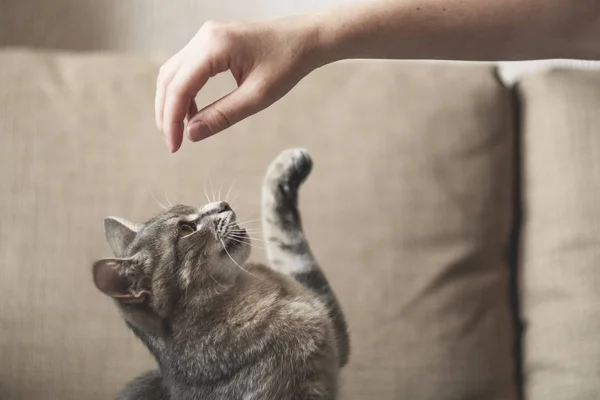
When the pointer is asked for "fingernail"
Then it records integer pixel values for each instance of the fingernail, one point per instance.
(197, 131)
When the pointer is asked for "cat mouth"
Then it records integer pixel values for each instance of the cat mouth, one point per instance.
(231, 235)
(225, 223)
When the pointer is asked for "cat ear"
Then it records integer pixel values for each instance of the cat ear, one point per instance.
(119, 234)
(111, 282)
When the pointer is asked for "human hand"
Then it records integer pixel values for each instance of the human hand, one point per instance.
(267, 59)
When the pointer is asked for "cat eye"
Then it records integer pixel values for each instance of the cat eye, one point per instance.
(186, 228)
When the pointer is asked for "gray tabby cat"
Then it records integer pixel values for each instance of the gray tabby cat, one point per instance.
(219, 328)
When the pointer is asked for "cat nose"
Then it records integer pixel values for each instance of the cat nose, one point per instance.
(215, 208)
(223, 206)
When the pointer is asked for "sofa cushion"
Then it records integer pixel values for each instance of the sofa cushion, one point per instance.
(560, 252)
(408, 210)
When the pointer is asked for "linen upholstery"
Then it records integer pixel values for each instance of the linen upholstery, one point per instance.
(408, 210)
(560, 252)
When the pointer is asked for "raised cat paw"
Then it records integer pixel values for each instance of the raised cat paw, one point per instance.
(291, 167)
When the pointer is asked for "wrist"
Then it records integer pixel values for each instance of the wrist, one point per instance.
(319, 46)
(345, 32)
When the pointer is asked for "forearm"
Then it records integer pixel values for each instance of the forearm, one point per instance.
(268, 58)
(479, 30)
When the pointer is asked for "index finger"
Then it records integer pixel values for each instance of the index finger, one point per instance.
(165, 74)
(180, 92)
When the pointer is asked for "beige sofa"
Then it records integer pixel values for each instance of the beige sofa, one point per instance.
(458, 219)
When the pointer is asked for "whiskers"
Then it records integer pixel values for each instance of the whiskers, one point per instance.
(161, 205)
(205, 192)
(242, 240)
(212, 197)
(251, 221)
(243, 232)
(212, 190)
(230, 189)
(235, 262)
(168, 201)
(246, 236)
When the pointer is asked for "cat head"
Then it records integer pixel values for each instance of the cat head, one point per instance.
(183, 247)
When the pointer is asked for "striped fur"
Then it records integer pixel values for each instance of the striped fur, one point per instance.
(221, 328)
(287, 248)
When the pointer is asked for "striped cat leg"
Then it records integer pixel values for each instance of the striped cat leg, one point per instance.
(287, 247)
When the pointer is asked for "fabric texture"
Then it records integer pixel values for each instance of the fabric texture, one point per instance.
(560, 252)
(408, 210)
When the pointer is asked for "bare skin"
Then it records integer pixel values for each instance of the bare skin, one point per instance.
(268, 58)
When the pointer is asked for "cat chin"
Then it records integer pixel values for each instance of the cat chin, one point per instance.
(233, 245)
(236, 252)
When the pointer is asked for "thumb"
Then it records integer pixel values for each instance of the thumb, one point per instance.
(225, 112)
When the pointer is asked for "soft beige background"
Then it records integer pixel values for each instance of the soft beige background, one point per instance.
(129, 25)
(157, 26)
(408, 209)
(560, 251)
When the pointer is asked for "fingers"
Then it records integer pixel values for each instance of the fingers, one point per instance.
(165, 75)
(223, 113)
(251, 51)
(178, 96)
(192, 110)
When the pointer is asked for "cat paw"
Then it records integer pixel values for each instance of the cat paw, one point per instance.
(290, 167)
